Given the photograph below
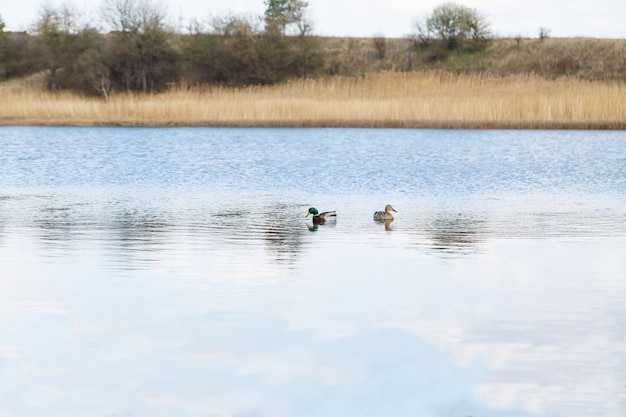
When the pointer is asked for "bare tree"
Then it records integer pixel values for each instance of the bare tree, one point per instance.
(543, 33)
(422, 36)
(380, 44)
(133, 15)
(61, 43)
(288, 13)
(456, 26)
(53, 49)
(141, 55)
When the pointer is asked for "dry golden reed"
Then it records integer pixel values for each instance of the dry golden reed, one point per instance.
(391, 99)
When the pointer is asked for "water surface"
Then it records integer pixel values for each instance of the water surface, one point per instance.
(159, 272)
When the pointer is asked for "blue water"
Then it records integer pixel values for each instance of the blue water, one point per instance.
(160, 272)
(325, 161)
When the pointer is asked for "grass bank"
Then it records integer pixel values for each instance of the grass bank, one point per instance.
(584, 58)
(384, 99)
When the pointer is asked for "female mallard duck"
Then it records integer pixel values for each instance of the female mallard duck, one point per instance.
(322, 218)
(385, 215)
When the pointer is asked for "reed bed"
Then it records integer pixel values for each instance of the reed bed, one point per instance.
(385, 99)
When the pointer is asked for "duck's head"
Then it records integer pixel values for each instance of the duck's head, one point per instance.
(388, 208)
(312, 211)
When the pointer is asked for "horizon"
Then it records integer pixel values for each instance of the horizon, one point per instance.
(599, 19)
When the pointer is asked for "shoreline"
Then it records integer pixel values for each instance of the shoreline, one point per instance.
(352, 124)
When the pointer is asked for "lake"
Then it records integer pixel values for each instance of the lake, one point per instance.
(172, 272)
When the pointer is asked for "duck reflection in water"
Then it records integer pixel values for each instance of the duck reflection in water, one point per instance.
(387, 223)
(327, 217)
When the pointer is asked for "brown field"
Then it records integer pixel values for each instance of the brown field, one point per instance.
(383, 99)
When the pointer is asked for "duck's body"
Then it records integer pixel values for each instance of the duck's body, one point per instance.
(385, 215)
(322, 218)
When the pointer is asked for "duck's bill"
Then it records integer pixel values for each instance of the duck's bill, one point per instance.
(307, 215)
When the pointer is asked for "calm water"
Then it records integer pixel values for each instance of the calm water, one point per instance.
(171, 272)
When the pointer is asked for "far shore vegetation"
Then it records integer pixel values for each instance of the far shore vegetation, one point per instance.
(435, 99)
(273, 71)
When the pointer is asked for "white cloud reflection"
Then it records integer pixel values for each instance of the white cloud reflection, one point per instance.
(520, 328)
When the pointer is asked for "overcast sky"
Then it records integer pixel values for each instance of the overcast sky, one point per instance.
(391, 18)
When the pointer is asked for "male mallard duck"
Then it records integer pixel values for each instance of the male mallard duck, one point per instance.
(384, 215)
(322, 218)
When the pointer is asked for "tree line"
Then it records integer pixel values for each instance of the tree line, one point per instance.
(140, 52)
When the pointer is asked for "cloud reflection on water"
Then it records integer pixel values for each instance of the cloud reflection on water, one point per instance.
(169, 308)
